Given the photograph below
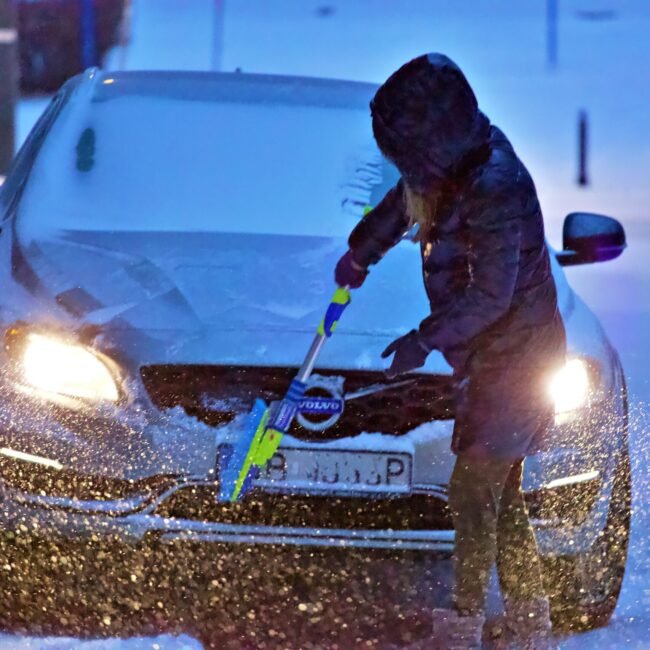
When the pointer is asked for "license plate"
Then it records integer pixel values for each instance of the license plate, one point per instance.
(320, 470)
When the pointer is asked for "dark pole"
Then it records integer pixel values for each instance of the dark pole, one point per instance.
(551, 32)
(88, 29)
(8, 83)
(583, 148)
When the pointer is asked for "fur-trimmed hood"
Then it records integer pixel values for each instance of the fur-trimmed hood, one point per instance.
(426, 120)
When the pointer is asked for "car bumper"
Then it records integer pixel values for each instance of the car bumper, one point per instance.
(56, 516)
(136, 520)
(574, 477)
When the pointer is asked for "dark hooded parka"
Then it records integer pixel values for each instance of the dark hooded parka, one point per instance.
(485, 263)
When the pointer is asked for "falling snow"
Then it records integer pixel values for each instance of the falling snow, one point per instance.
(170, 595)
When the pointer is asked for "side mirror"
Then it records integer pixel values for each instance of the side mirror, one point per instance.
(588, 238)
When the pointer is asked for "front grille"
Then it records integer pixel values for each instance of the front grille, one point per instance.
(413, 512)
(215, 394)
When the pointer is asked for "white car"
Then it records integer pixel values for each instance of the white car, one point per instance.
(167, 250)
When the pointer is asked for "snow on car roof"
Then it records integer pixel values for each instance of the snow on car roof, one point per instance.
(207, 152)
(237, 87)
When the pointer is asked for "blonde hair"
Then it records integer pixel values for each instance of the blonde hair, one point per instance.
(421, 210)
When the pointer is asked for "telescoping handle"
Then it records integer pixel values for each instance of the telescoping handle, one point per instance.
(340, 300)
(272, 423)
(281, 414)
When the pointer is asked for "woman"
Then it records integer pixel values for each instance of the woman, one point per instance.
(494, 316)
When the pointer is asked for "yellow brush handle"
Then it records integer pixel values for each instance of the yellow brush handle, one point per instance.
(340, 300)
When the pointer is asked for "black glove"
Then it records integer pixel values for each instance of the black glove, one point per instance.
(410, 353)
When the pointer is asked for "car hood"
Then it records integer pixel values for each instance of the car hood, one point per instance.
(170, 297)
(204, 298)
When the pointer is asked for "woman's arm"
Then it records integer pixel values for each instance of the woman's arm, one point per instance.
(380, 229)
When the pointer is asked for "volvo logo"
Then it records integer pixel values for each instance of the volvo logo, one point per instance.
(330, 400)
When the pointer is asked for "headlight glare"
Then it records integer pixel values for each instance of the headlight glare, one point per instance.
(570, 386)
(58, 367)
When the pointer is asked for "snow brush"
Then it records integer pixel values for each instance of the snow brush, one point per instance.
(265, 426)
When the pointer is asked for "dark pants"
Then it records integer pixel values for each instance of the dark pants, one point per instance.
(491, 523)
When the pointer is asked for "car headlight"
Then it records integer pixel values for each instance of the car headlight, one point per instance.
(571, 386)
(57, 367)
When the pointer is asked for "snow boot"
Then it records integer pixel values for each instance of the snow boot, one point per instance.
(453, 631)
(525, 626)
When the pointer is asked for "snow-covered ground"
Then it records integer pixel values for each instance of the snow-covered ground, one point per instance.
(603, 65)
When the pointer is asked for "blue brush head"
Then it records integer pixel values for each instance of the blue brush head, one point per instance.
(232, 457)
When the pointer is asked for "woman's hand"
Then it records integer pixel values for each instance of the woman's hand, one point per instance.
(348, 273)
(410, 353)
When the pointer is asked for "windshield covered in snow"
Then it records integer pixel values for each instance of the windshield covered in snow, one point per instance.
(195, 153)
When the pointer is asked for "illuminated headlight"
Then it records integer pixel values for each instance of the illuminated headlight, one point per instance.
(67, 369)
(570, 387)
